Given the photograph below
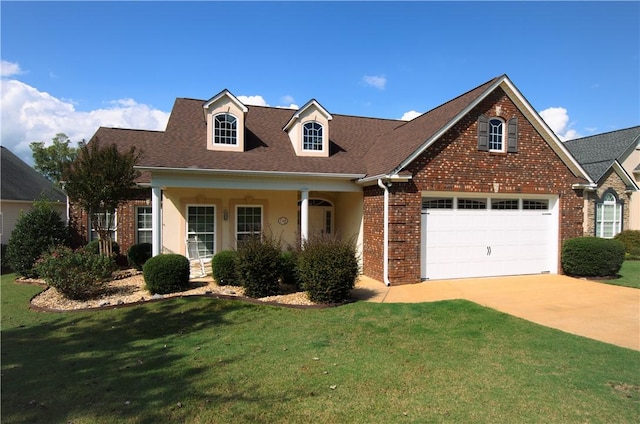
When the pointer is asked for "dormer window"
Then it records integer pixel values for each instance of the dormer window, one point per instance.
(312, 136)
(225, 129)
(496, 135)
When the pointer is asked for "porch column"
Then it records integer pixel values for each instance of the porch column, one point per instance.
(156, 220)
(304, 214)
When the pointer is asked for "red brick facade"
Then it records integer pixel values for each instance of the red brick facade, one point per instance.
(454, 164)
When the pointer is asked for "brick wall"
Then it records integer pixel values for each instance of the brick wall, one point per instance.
(612, 181)
(454, 164)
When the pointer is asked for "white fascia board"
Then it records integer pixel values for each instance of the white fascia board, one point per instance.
(262, 180)
(231, 97)
(544, 129)
(624, 175)
(373, 180)
(310, 103)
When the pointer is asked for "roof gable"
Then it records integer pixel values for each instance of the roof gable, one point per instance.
(23, 183)
(311, 104)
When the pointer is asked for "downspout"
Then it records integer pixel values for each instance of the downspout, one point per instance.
(385, 248)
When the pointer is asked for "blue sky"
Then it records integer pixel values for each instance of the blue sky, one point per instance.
(71, 67)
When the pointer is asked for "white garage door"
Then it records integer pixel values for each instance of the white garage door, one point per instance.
(482, 237)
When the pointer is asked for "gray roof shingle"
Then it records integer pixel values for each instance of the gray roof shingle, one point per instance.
(597, 153)
(21, 182)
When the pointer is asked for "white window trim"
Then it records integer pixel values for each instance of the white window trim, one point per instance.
(213, 131)
(236, 232)
(215, 224)
(138, 229)
(616, 222)
(503, 142)
(322, 138)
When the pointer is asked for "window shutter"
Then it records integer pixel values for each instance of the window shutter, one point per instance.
(512, 135)
(483, 133)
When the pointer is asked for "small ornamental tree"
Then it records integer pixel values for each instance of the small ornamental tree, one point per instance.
(99, 180)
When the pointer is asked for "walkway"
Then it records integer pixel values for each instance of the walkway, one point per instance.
(598, 311)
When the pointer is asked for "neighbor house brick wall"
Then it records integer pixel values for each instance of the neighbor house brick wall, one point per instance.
(611, 181)
(454, 164)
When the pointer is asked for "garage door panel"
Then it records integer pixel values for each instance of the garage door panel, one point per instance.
(476, 243)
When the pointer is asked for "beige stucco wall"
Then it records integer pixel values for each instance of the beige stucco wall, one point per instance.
(224, 105)
(280, 214)
(311, 114)
(632, 161)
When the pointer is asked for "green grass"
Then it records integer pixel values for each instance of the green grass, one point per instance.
(201, 360)
(629, 275)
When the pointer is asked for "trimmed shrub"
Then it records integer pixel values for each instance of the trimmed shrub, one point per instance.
(166, 274)
(94, 247)
(5, 267)
(259, 266)
(631, 241)
(592, 257)
(138, 254)
(77, 275)
(289, 269)
(36, 231)
(224, 267)
(328, 268)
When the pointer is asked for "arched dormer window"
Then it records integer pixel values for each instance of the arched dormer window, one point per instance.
(608, 216)
(312, 136)
(225, 129)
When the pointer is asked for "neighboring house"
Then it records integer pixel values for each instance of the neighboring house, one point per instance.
(479, 186)
(612, 160)
(20, 187)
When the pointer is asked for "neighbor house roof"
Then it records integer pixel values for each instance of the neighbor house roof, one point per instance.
(598, 153)
(20, 182)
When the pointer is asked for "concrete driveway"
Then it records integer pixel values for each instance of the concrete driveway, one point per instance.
(598, 311)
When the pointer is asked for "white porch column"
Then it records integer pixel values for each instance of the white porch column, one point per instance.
(304, 214)
(156, 220)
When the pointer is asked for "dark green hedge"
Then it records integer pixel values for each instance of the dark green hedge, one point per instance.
(166, 274)
(259, 266)
(224, 267)
(592, 257)
(139, 254)
(631, 241)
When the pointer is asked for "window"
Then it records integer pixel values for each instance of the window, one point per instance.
(248, 222)
(472, 204)
(312, 136)
(496, 134)
(504, 204)
(201, 224)
(105, 220)
(540, 205)
(143, 224)
(433, 203)
(608, 217)
(225, 129)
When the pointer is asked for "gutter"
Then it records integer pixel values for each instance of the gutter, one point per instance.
(385, 248)
(243, 172)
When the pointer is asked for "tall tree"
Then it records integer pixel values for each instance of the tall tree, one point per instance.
(99, 180)
(50, 160)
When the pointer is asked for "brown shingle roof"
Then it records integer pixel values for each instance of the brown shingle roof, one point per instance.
(358, 145)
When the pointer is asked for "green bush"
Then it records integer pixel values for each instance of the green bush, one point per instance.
(138, 254)
(77, 275)
(94, 247)
(259, 266)
(328, 268)
(224, 267)
(631, 241)
(166, 274)
(289, 269)
(36, 231)
(5, 267)
(592, 257)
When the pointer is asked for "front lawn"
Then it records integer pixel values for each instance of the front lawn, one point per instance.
(201, 360)
(629, 275)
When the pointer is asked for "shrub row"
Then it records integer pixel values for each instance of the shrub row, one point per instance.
(326, 268)
(167, 273)
(631, 241)
(592, 257)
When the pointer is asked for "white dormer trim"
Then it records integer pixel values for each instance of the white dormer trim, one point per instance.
(311, 112)
(225, 103)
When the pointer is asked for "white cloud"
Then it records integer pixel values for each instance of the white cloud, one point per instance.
(408, 116)
(558, 120)
(253, 100)
(377, 81)
(30, 115)
(8, 69)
